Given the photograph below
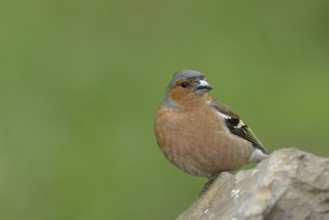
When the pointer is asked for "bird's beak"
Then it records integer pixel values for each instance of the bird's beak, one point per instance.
(203, 87)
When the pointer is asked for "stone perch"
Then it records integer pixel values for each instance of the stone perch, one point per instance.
(290, 184)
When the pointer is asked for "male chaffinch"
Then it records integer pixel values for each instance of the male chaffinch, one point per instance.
(199, 134)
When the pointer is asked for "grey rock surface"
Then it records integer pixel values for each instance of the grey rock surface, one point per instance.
(290, 184)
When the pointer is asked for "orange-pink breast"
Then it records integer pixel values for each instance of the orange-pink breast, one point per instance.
(196, 141)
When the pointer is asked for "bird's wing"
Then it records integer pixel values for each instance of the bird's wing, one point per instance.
(235, 124)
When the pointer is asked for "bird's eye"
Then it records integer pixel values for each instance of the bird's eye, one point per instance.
(184, 84)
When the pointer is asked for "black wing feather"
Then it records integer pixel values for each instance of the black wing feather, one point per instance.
(237, 126)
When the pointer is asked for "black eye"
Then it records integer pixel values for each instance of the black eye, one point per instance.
(184, 84)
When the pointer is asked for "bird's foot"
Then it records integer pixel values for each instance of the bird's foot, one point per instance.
(211, 179)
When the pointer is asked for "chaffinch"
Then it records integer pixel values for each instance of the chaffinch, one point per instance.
(199, 134)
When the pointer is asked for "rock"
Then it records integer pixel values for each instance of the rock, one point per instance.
(290, 184)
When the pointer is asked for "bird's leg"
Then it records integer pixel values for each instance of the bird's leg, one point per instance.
(211, 179)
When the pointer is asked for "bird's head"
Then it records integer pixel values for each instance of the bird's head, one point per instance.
(186, 86)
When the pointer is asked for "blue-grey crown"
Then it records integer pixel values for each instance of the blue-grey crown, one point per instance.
(183, 74)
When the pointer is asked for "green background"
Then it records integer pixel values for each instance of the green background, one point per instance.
(80, 82)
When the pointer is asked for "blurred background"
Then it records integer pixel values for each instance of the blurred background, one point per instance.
(80, 82)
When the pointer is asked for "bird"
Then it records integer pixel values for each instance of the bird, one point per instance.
(199, 134)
